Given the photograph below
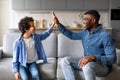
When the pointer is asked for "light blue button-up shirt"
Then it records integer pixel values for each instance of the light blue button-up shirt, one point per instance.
(99, 43)
(19, 50)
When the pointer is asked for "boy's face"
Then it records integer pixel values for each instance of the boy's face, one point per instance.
(32, 28)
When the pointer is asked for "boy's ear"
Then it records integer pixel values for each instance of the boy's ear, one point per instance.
(25, 30)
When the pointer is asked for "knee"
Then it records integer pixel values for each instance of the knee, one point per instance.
(35, 74)
(88, 67)
(24, 78)
(64, 60)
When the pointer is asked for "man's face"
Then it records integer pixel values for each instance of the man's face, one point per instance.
(88, 21)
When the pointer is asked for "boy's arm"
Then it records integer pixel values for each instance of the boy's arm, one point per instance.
(15, 57)
(45, 34)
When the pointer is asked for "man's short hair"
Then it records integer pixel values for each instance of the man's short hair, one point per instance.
(93, 13)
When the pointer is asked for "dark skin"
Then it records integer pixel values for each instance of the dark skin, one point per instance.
(90, 23)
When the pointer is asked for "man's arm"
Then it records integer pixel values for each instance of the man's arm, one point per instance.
(65, 31)
(109, 49)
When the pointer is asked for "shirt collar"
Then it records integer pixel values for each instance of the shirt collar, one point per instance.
(21, 38)
(97, 29)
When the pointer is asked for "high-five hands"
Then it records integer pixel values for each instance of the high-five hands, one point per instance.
(55, 19)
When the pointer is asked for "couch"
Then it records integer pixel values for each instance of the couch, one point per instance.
(56, 47)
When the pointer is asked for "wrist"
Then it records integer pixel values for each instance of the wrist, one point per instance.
(52, 25)
(94, 58)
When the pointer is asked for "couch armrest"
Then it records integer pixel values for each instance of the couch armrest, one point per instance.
(118, 56)
(1, 52)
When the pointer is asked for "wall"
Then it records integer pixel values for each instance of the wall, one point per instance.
(66, 18)
(10, 18)
(5, 17)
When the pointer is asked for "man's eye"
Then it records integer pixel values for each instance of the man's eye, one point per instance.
(85, 19)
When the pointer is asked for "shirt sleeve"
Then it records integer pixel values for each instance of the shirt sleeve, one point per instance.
(15, 57)
(70, 34)
(45, 34)
(109, 49)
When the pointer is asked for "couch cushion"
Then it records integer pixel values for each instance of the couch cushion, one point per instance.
(118, 56)
(6, 69)
(50, 45)
(8, 40)
(68, 47)
(1, 52)
(114, 75)
(48, 70)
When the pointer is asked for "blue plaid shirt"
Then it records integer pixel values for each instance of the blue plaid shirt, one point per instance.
(19, 50)
(99, 43)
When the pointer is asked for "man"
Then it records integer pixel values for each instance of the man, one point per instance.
(99, 50)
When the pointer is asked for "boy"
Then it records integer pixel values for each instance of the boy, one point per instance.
(28, 49)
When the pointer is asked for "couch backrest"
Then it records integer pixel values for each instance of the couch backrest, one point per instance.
(49, 44)
(8, 40)
(68, 47)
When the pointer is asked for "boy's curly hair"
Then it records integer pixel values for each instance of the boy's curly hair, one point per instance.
(24, 24)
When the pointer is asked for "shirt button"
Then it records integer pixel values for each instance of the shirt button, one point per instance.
(88, 40)
(87, 47)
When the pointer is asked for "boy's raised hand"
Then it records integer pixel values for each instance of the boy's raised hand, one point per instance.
(53, 14)
(55, 19)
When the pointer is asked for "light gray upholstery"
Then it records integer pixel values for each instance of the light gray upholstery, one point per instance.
(114, 75)
(68, 47)
(48, 70)
(118, 56)
(8, 40)
(1, 52)
(50, 45)
(56, 47)
(6, 69)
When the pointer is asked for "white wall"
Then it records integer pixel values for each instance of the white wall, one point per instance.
(5, 17)
(67, 18)
(10, 18)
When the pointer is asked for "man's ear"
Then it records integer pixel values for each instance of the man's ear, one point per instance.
(93, 20)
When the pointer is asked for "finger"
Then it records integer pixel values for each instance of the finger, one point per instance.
(81, 62)
(53, 14)
(18, 76)
(85, 62)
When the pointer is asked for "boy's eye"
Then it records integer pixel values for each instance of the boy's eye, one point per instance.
(32, 26)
